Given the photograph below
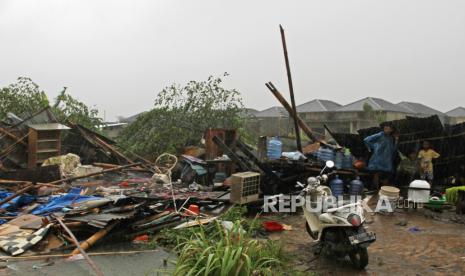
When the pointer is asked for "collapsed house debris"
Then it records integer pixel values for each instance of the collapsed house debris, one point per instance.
(65, 188)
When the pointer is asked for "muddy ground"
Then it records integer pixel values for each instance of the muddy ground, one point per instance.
(436, 247)
(424, 246)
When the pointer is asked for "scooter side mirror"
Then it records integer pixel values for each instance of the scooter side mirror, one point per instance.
(329, 164)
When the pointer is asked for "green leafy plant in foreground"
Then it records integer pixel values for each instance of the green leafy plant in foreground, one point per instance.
(227, 252)
(214, 250)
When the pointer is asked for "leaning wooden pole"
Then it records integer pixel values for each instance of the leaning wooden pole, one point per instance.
(285, 104)
(84, 254)
(94, 173)
(291, 91)
(95, 238)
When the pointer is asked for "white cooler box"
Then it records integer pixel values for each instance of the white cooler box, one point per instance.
(419, 191)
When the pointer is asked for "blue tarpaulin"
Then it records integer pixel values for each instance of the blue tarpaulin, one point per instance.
(59, 202)
(16, 202)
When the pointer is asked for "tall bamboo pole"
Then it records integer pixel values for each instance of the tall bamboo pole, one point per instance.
(291, 90)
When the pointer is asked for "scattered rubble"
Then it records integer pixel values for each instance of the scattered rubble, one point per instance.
(64, 189)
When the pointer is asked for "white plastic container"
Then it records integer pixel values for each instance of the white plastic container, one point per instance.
(419, 191)
(390, 194)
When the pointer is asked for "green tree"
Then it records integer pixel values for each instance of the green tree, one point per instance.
(25, 98)
(67, 108)
(22, 98)
(180, 116)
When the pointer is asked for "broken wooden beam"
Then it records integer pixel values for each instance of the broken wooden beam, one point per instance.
(95, 237)
(264, 167)
(12, 136)
(230, 153)
(308, 131)
(93, 174)
(84, 254)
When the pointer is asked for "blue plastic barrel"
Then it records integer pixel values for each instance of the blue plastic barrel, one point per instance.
(347, 161)
(274, 148)
(356, 186)
(339, 159)
(337, 186)
(325, 154)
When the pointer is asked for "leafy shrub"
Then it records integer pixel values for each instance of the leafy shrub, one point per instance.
(181, 115)
(24, 98)
(227, 252)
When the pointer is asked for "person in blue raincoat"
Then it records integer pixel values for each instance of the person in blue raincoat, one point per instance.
(383, 148)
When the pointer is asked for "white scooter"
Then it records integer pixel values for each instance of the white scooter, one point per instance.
(338, 230)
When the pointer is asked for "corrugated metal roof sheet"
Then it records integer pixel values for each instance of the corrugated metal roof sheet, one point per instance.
(101, 220)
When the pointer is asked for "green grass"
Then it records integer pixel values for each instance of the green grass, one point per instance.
(213, 250)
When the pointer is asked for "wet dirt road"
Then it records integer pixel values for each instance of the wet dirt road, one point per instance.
(436, 248)
(156, 262)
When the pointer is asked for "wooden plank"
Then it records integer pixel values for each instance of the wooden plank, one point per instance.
(12, 136)
(75, 241)
(230, 153)
(43, 174)
(306, 129)
(32, 149)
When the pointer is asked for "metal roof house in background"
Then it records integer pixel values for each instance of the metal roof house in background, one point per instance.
(458, 114)
(325, 116)
(363, 113)
(376, 104)
(317, 105)
(421, 110)
(273, 112)
(273, 121)
(131, 119)
(248, 112)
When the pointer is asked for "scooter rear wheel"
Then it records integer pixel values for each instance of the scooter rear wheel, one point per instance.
(312, 234)
(359, 258)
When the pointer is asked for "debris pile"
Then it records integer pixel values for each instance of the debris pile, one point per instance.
(65, 188)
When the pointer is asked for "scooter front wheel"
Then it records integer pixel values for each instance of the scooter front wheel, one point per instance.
(359, 257)
(312, 234)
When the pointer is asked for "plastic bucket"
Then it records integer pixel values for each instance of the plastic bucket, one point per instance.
(390, 194)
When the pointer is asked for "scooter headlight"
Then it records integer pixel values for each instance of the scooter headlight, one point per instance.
(312, 181)
(354, 219)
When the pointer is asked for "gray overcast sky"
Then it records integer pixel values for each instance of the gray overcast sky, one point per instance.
(118, 54)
